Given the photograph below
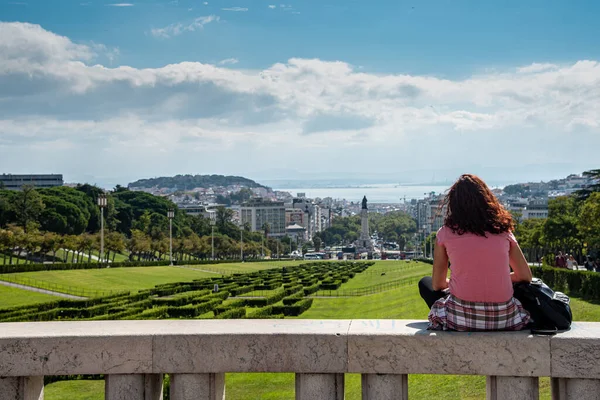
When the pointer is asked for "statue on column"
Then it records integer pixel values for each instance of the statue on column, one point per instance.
(364, 203)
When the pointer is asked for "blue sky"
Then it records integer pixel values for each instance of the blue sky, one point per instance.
(224, 87)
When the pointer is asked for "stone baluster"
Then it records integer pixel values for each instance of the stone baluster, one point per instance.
(319, 386)
(133, 387)
(197, 386)
(575, 389)
(22, 388)
(384, 387)
(512, 387)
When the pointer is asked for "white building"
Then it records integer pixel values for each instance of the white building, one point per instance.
(257, 212)
(40, 181)
(536, 208)
(429, 215)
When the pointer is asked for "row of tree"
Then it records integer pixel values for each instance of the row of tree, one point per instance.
(35, 221)
(36, 246)
(572, 226)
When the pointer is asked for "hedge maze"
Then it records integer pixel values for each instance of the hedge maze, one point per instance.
(286, 294)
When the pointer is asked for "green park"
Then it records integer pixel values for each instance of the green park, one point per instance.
(277, 289)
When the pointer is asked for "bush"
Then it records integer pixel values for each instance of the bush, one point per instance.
(257, 313)
(298, 308)
(294, 289)
(233, 313)
(584, 284)
(311, 289)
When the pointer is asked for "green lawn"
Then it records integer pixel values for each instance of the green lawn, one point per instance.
(13, 297)
(133, 279)
(113, 279)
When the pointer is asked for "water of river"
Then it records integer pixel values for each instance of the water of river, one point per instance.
(379, 193)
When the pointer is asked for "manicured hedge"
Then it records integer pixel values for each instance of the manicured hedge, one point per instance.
(585, 284)
(239, 312)
(293, 310)
(196, 298)
(294, 289)
(264, 312)
(10, 268)
(311, 289)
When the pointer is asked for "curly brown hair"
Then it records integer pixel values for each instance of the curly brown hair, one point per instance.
(473, 208)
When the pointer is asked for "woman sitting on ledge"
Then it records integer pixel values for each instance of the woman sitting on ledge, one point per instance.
(477, 239)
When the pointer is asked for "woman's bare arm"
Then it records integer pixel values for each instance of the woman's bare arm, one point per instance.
(440, 268)
(518, 263)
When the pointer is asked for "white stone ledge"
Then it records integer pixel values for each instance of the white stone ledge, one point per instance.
(406, 347)
(301, 346)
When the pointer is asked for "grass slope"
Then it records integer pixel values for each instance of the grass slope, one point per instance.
(133, 279)
(13, 297)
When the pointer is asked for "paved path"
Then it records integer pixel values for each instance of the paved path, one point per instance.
(35, 289)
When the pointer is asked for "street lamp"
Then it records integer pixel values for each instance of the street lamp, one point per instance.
(102, 203)
(212, 223)
(242, 243)
(171, 215)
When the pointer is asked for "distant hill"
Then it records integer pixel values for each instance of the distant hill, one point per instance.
(189, 182)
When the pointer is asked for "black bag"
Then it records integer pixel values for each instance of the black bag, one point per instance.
(549, 310)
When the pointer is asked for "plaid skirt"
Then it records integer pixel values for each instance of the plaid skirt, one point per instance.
(452, 313)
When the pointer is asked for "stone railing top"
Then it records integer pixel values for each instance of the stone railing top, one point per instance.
(285, 345)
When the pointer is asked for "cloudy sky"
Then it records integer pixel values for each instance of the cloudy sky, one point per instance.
(108, 92)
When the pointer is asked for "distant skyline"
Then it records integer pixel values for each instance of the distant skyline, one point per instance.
(109, 92)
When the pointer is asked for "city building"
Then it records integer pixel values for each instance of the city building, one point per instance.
(535, 209)
(257, 212)
(429, 213)
(38, 181)
(312, 218)
(294, 216)
(198, 209)
(296, 232)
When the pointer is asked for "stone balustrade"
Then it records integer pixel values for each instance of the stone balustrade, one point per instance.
(134, 355)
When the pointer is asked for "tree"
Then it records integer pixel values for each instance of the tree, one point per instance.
(28, 206)
(594, 176)
(6, 243)
(589, 222)
(560, 229)
(317, 242)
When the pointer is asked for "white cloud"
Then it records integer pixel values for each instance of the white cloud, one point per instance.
(236, 9)
(205, 3)
(229, 61)
(535, 67)
(57, 96)
(121, 5)
(178, 28)
(272, 6)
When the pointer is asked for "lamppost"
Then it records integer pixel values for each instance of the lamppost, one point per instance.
(242, 243)
(102, 203)
(171, 215)
(212, 237)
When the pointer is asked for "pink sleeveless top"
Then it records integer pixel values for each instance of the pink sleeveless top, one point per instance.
(479, 266)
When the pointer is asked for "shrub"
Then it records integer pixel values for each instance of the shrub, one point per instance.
(239, 312)
(311, 289)
(256, 313)
(294, 289)
(298, 308)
